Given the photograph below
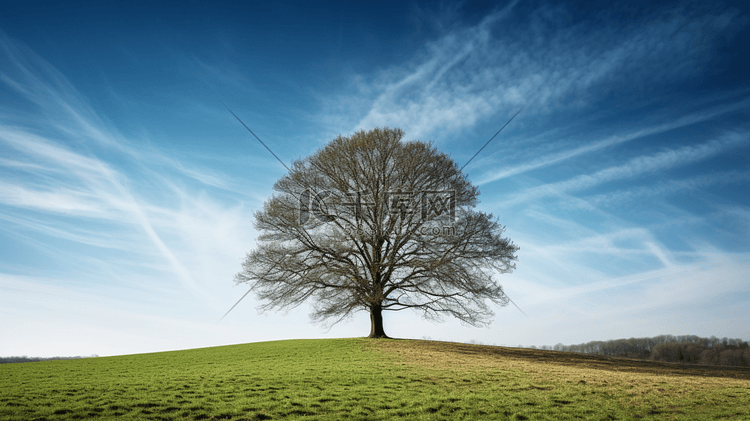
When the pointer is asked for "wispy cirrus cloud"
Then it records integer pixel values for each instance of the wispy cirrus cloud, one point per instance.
(670, 187)
(549, 159)
(637, 166)
(89, 189)
(676, 284)
(472, 73)
(26, 75)
(66, 168)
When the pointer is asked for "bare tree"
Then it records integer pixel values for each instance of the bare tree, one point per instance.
(373, 223)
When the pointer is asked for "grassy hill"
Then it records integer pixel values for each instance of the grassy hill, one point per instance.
(369, 379)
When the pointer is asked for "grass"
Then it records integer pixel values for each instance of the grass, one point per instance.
(369, 379)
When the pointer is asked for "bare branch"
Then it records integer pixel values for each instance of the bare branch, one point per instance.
(390, 227)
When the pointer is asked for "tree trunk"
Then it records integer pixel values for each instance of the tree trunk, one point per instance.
(376, 322)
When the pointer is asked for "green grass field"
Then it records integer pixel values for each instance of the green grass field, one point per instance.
(369, 379)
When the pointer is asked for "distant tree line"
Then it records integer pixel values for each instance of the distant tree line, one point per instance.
(25, 359)
(686, 349)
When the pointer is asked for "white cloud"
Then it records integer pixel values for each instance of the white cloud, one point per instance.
(75, 167)
(471, 74)
(637, 166)
(670, 187)
(617, 139)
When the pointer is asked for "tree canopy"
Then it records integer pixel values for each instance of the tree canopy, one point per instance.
(373, 223)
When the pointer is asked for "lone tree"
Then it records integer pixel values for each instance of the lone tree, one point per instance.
(373, 223)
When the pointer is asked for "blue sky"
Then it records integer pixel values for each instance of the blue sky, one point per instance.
(127, 190)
